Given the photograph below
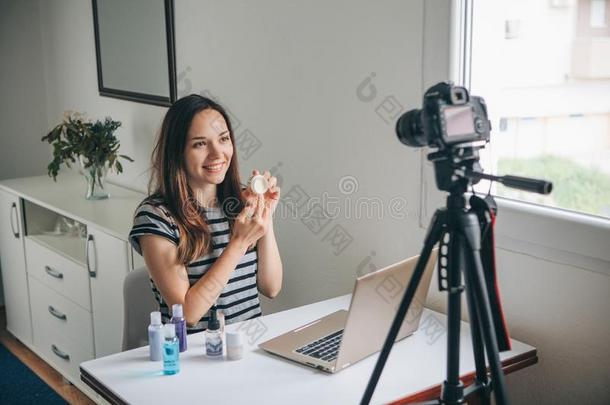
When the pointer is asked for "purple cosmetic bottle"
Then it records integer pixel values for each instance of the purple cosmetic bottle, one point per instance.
(180, 324)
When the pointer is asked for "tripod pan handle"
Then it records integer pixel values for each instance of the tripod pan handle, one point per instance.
(524, 183)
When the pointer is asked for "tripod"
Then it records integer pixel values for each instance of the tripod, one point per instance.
(458, 230)
(459, 233)
(456, 124)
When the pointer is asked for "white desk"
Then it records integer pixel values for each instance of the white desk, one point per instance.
(415, 364)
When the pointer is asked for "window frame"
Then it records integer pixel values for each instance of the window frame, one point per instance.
(548, 233)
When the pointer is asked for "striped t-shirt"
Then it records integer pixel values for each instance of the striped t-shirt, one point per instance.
(239, 299)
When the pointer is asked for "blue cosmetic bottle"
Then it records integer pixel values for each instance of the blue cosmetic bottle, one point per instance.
(171, 351)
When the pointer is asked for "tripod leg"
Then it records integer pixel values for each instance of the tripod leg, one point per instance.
(434, 231)
(472, 233)
(481, 381)
(453, 389)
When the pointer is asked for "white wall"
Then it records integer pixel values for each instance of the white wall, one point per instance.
(290, 72)
(22, 115)
(293, 74)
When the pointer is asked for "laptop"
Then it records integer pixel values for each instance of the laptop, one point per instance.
(342, 338)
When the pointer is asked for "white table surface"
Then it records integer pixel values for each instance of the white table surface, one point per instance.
(415, 363)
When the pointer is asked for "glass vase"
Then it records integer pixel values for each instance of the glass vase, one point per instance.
(95, 174)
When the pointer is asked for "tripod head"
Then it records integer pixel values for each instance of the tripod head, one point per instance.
(457, 168)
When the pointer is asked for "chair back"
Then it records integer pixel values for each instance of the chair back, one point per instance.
(139, 303)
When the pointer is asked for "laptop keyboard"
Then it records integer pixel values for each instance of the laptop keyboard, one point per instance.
(326, 348)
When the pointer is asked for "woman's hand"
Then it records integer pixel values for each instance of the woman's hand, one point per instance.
(270, 270)
(271, 196)
(251, 223)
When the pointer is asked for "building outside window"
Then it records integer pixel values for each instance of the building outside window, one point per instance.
(543, 66)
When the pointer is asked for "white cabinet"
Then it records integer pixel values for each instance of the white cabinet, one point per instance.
(14, 277)
(64, 260)
(108, 264)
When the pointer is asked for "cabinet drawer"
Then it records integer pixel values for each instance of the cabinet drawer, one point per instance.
(61, 274)
(61, 356)
(52, 313)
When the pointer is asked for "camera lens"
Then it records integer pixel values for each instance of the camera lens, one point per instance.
(409, 129)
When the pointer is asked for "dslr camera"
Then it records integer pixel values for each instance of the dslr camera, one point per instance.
(450, 116)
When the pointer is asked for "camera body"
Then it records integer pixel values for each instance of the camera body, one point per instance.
(450, 116)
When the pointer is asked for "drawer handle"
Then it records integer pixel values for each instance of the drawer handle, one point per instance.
(92, 272)
(14, 209)
(53, 273)
(57, 314)
(59, 353)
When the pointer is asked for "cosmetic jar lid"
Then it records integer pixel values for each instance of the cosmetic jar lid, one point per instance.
(259, 184)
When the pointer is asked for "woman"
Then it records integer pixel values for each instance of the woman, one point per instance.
(206, 241)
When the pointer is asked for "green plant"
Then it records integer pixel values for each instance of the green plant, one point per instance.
(575, 187)
(94, 143)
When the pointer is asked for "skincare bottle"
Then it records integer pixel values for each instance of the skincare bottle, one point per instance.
(155, 336)
(180, 323)
(171, 351)
(213, 336)
(235, 345)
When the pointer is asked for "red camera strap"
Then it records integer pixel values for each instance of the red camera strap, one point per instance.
(486, 209)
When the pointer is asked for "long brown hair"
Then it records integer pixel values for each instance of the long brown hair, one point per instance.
(169, 180)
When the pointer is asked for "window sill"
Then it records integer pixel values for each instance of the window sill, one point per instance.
(554, 235)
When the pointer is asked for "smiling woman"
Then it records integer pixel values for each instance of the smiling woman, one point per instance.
(207, 244)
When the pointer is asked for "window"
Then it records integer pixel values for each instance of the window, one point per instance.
(544, 69)
(598, 13)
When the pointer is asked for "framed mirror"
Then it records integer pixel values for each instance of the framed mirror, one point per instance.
(135, 50)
